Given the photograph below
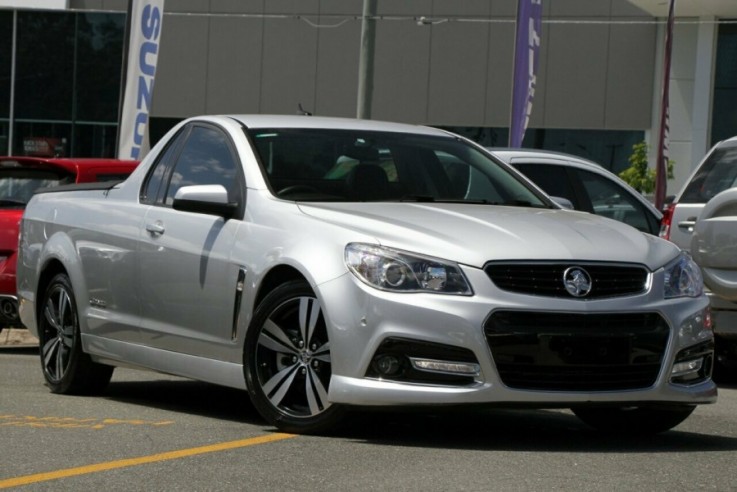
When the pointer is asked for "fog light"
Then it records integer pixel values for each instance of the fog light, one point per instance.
(446, 367)
(681, 369)
(387, 365)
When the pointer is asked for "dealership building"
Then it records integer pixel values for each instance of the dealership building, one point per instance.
(444, 63)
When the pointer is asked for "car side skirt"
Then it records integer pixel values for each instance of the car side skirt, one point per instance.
(106, 351)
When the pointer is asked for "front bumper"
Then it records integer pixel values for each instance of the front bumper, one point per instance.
(361, 319)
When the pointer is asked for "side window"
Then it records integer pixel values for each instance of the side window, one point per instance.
(552, 179)
(205, 158)
(715, 175)
(152, 184)
(611, 200)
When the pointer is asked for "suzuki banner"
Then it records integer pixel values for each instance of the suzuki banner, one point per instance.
(526, 55)
(144, 33)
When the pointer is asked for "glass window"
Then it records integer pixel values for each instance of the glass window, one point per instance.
(17, 184)
(42, 139)
(611, 200)
(205, 158)
(94, 140)
(44, 65)
(6, 58)
(716, 174)
(67, 84)
(551, 178)
(724, 116)
(609, 148)
(349, 166)
(98, 66)
(152, 184)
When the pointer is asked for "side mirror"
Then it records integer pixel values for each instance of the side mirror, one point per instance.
(205, 199)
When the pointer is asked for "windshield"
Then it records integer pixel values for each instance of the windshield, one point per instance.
(354, 166)
(17, 185)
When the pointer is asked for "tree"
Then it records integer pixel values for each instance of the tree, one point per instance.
(638, 175)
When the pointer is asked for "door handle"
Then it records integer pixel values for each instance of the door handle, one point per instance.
(687, 224)
(155, 229)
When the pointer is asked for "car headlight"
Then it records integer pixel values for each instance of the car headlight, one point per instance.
(399, 271)
(683, 278)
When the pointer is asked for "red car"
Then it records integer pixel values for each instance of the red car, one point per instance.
(19, 179)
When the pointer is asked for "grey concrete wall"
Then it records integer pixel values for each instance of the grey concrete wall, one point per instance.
(591, 76)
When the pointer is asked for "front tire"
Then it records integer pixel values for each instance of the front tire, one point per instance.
(287, 361)
(66, 368)
(643, 420)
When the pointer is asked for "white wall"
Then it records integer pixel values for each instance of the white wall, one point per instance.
(691, 85)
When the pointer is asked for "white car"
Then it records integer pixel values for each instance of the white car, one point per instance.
(587, 185)
(327, 264)
(706, 201)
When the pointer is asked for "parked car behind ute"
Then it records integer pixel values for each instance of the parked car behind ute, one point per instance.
(716, 173)
(327, 264)
(20, 177)
(587, 185)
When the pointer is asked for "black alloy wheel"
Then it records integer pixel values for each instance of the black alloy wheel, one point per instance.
(66, 368)
(287, 361)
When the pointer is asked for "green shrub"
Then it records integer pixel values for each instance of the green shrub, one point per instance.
(638, 175)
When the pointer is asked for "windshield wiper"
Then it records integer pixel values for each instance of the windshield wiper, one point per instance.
(432, 199)
(520, 203)
(417, 198)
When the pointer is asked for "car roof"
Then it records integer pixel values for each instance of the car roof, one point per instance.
(304, 121)
(507, 154)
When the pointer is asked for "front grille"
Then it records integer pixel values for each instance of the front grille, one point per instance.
(577, 352)
(546, 279)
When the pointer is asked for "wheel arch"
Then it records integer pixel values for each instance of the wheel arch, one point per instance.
(60, 256)
(278, 275)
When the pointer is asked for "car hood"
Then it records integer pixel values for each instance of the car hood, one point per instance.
(476, 234)
(9, 220)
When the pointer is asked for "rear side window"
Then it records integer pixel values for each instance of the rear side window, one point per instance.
(206, 158)
(552, 179)
(608, 199)
(716, 174)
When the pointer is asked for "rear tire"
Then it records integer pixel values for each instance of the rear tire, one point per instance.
(287, 362)
(643, 420)
(66, 368)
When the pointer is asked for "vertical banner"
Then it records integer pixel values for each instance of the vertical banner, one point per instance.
(661, 169)
(526, 56)
(141, 55)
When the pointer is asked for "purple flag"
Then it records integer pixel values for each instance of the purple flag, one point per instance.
(526, 56)
(661, 169)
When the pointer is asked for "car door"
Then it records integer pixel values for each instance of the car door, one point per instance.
(717, 172)
(188, 285)
(714, 244)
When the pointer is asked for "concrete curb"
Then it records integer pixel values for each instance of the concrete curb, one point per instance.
(13, 337)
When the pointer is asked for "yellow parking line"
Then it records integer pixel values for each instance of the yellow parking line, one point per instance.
(142, 460)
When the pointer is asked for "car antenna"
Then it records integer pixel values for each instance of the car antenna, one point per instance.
(302, 110)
